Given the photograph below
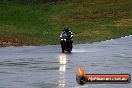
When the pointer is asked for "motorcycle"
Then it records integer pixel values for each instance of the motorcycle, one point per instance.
(66, 44)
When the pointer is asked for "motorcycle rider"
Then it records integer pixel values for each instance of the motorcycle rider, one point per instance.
(69, 33)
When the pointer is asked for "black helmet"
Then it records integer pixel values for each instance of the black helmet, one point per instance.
(66, 28)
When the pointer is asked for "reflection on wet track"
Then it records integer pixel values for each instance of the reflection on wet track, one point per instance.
(47, 67)
(62, 69)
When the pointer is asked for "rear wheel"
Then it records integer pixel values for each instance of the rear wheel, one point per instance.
(69, 50)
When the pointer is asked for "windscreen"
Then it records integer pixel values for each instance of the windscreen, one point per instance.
(64, 35)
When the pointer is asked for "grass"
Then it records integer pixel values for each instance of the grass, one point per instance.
(42, 23)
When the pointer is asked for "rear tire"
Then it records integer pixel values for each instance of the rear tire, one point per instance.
(69, 50)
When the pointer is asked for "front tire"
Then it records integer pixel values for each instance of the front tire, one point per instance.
(63, 50)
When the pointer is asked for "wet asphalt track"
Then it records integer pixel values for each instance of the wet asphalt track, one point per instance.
(47, 67)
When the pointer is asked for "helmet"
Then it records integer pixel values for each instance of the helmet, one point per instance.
(66, 29)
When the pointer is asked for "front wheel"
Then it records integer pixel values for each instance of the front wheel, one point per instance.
(63, 50)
